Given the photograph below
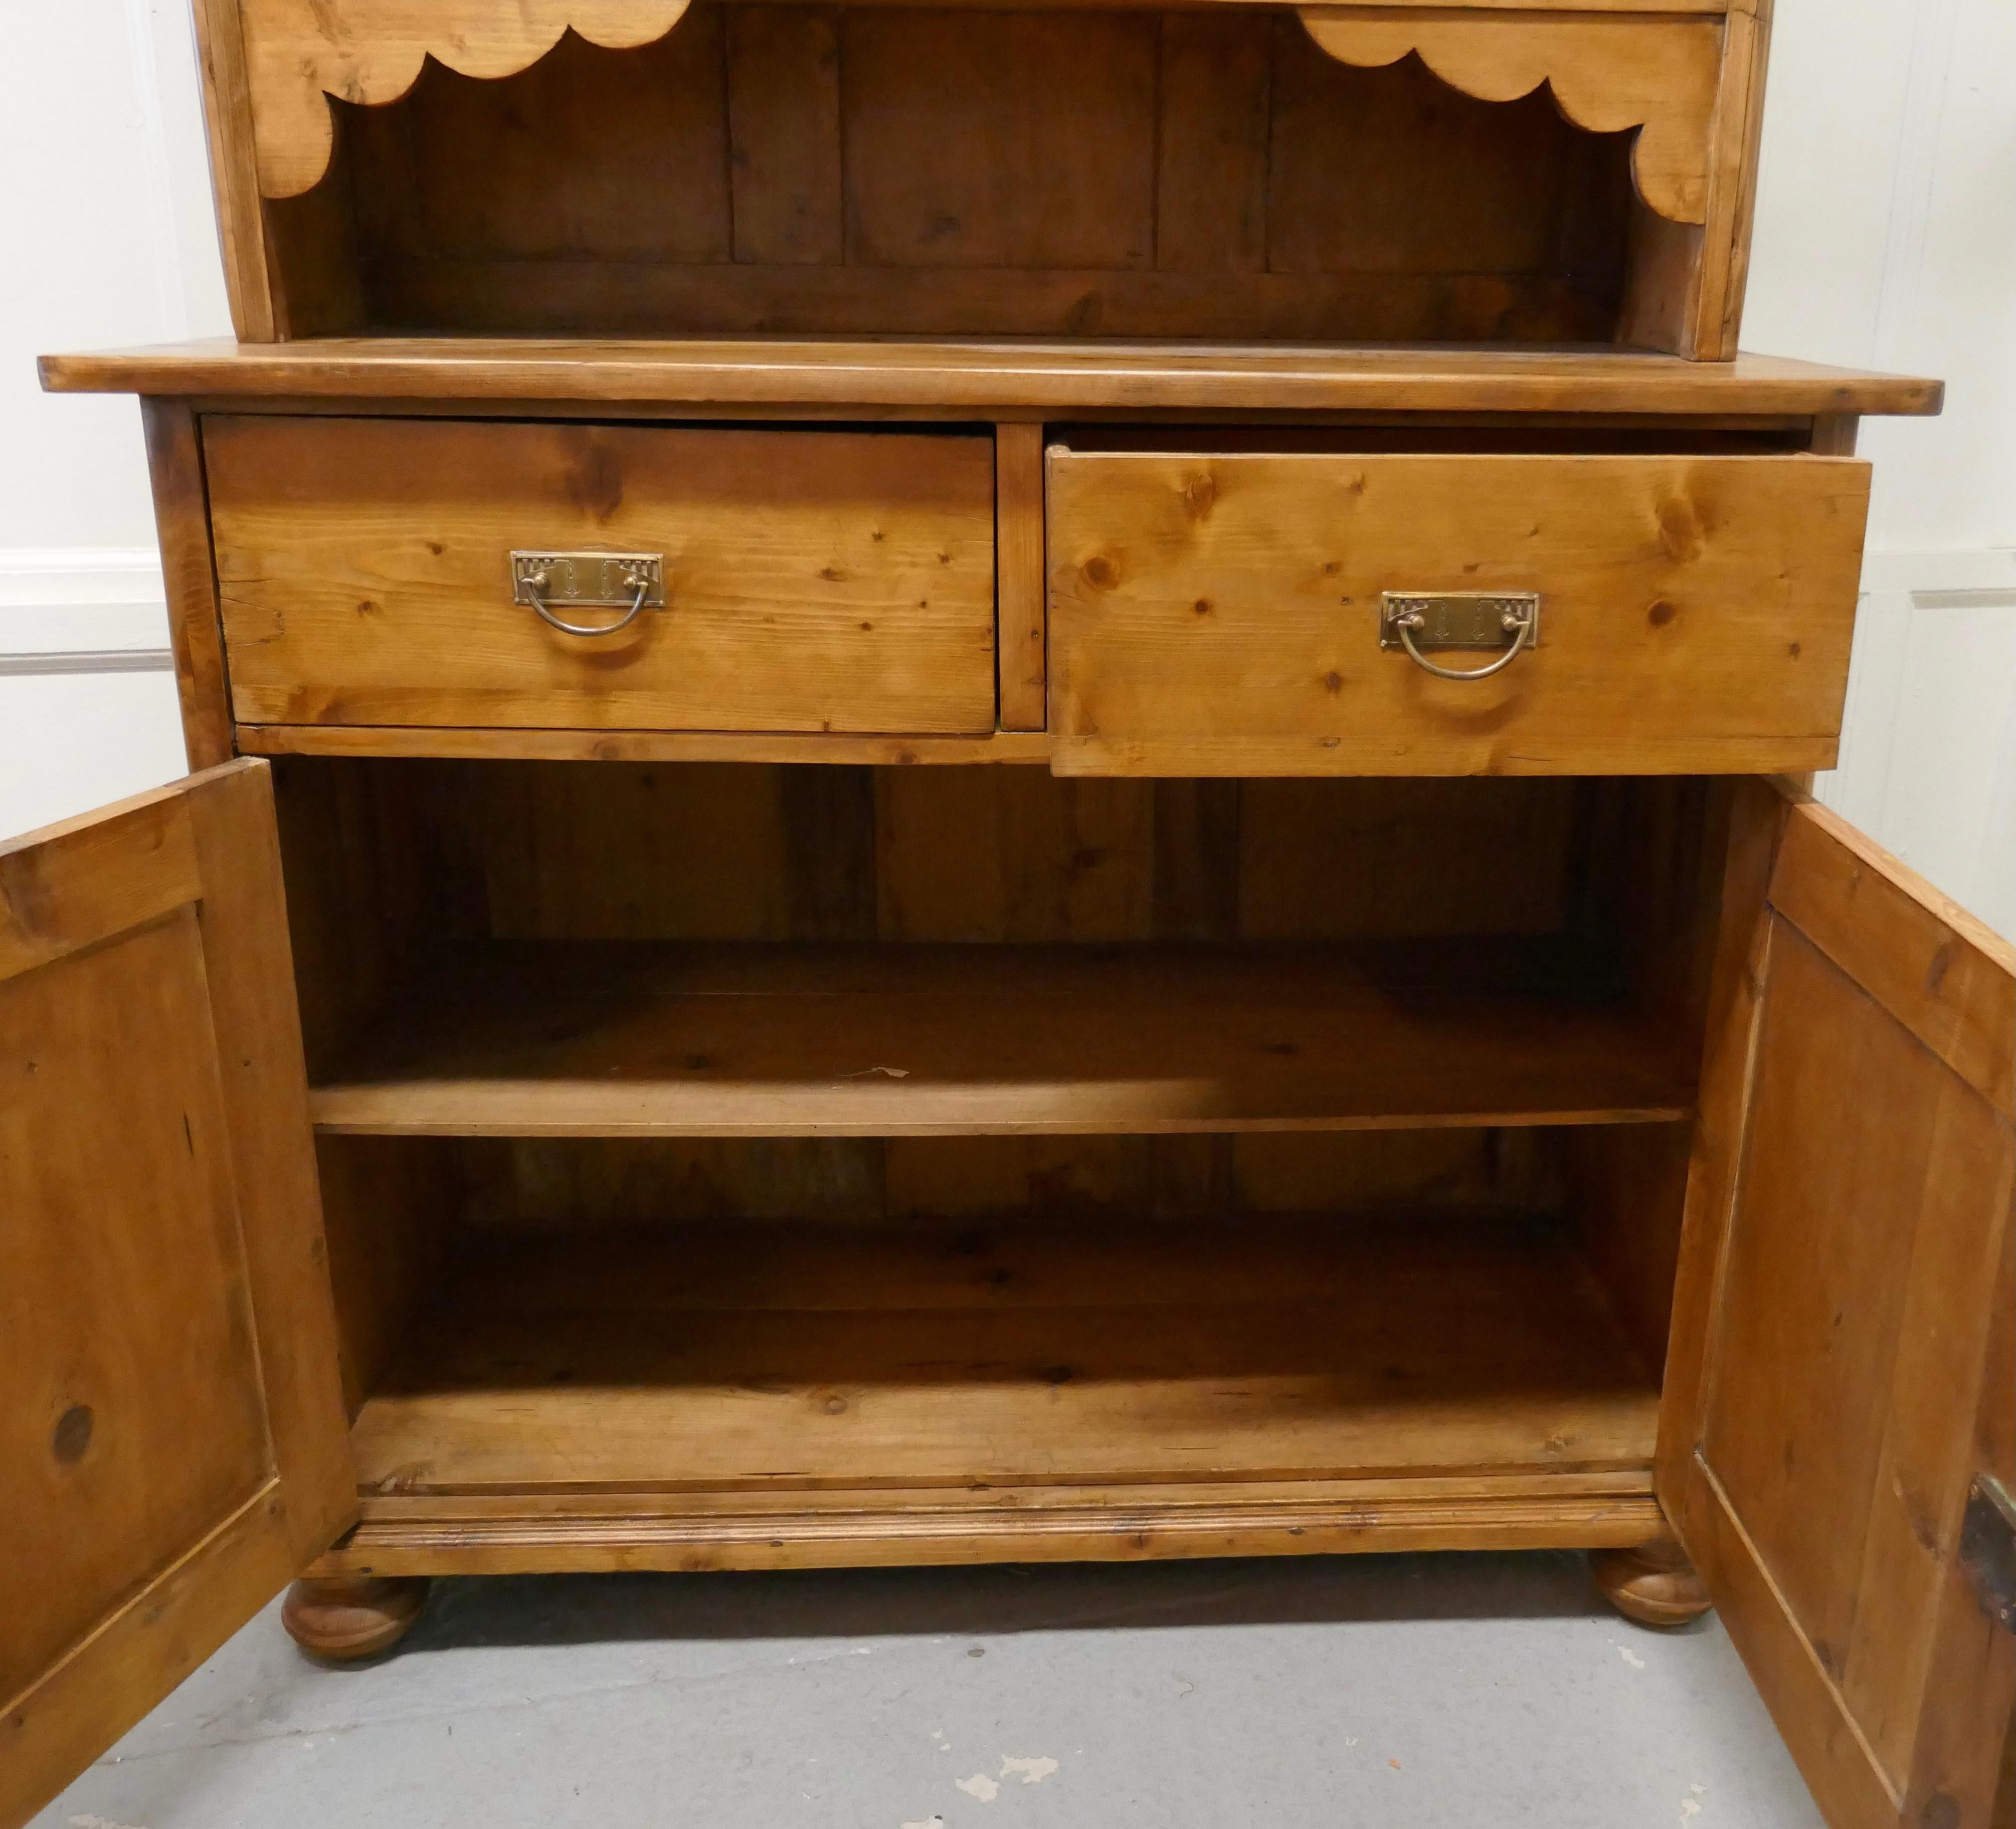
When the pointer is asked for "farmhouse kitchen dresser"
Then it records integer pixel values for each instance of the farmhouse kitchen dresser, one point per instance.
(844, 902)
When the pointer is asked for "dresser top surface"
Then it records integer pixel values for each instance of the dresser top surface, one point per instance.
(967, 374)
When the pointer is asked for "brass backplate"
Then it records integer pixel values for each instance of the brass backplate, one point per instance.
(564, 579)
(1458, 619)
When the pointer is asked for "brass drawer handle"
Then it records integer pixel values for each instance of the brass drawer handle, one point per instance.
(605, 579)
(1460, 619)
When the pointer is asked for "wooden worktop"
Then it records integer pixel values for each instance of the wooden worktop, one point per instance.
(995, 376)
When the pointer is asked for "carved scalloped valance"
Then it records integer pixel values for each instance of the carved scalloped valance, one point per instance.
(299, 52)
(1608, 71)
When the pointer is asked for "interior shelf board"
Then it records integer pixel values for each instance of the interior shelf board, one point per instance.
(983, 375)
(1446, 1350)
(597, 1039)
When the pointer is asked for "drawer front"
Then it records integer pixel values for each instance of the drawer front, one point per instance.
(1220, 614)
(813, 580)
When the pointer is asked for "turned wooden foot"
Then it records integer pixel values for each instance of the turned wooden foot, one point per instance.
(1654, 1584)
(345, 1617)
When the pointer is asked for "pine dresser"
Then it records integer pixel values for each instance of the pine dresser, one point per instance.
(1003, 782)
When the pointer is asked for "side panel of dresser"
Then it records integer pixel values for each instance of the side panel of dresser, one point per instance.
(174, 1446)
(1842, 1381)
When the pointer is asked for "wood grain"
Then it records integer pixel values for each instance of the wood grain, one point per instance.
(979, 376)
(1970, 1696)
(1731, 193)
(1728, 1069)
(263, 1082)
(783, 105)
(1822, 1468)
(343, 1619)
(1059, 171)
(382, 859)
(1136, 1523)
(1212, 159)
(1653, 1583)
(918, 1042)
(1218, 614)
(146, 1645)
(1021, 593)
(1486, 191)
(162, 1263)
(298, 54)
(1607, 74)
(492, 295)
(813, 580)
(181, 524)
(234, 166)
(89, 880)
(828, 749)
(1940, 972)
(1505, 1363)
(107, 1483)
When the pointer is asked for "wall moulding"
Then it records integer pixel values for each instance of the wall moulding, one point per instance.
(298, 53)
(1609, 72)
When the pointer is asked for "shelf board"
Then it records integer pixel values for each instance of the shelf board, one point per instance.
(595, 1038)
(981, 377)
(958, 1370)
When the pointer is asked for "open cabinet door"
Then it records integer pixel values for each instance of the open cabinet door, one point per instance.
(173, 1446)
(1844, 1371)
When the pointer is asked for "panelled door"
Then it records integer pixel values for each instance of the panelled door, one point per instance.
(173, 1445)
(1842, 1396)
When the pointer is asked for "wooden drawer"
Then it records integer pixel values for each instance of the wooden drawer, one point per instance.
(1214, 613)
(813, 580)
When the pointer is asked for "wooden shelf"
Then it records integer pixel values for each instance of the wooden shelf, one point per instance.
(820, 1372)
(586, 1038)
(983, 377)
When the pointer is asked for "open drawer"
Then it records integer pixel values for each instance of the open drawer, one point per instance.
(384, 571)
(1243, 612)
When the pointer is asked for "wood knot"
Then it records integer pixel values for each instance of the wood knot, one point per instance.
(1680, 530)
(72, 1434)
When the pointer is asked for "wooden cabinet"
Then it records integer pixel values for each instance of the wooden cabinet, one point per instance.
(1019, 1007)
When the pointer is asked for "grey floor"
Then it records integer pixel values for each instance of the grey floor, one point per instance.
(1389, 1691)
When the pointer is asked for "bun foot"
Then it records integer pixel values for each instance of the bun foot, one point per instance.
(346, 1617)
(1654, 1584)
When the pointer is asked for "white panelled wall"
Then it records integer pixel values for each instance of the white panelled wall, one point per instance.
(105, 212)
(1886, 237)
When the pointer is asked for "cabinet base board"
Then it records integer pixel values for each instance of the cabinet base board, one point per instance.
(420, 1537)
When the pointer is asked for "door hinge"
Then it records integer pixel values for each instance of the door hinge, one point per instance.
(1988, 1549)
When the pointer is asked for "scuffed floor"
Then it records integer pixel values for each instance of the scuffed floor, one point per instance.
(1385, 1692)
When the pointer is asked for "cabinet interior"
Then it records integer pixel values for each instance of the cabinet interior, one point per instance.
(770, 1128)
(873, 170)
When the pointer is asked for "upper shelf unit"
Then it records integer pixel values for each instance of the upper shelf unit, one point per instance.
(1481, 175)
